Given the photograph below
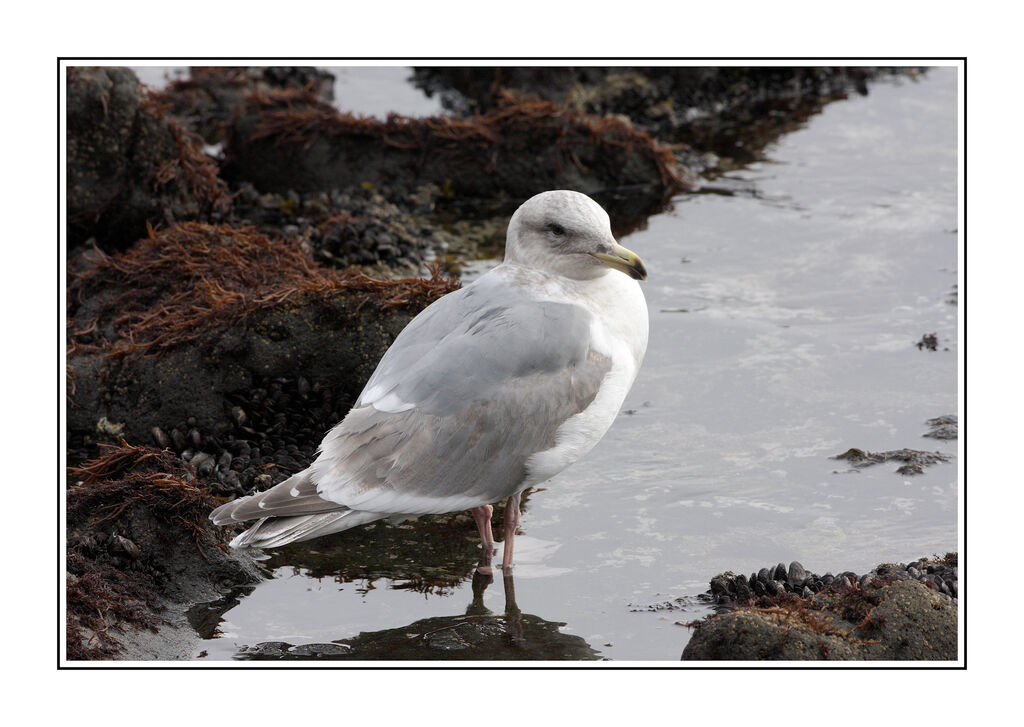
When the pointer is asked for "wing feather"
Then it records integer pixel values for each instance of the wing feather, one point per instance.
(469, 390)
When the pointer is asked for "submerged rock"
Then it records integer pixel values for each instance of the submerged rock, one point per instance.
(471, 637)
(943, 427)
(914, 461)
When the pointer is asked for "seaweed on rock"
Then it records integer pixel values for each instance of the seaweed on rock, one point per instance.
(176, 285)
(293, 140)
(139, 541)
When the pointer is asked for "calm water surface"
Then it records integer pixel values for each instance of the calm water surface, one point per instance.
(783, 323)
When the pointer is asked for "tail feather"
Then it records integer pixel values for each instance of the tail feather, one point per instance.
(273, 532)
(295, 496)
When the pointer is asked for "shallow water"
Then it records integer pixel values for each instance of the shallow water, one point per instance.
(783, 322)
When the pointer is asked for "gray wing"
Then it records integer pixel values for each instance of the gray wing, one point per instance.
(477, 383)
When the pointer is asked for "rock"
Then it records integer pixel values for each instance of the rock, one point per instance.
(796, 575)
(914, 460)
(901, 620)
(929, 341)
(720, 586)
(254, 316)
(128, 164)
(509, 637)
(944, 427)
(287, 140)
(141, 549)
(210, 96)
(727, 113)
(267, 649)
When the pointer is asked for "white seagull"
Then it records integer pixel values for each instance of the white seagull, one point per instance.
(492, 389)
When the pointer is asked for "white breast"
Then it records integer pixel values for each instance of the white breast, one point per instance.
(619, 331)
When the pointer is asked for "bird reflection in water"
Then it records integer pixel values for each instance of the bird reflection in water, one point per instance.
(478, 634)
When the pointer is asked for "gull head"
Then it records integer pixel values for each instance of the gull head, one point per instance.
(567, 233)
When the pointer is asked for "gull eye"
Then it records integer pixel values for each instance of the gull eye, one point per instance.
(555, 229)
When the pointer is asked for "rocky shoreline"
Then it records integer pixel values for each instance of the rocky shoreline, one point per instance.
(240, 254)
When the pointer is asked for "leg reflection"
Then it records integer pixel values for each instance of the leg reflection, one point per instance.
(513, 616)
(482, 578)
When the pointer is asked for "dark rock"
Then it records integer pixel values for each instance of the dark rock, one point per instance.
(285, 141)
(944, 427)
(319, 651)
(929, 341)
(727, 113)
(128, 164)
(142, 550)
(720, 586)
(510, 637)
(210, 96)
(901, 620)
(269, 314)
(271, 649)
(915, 460)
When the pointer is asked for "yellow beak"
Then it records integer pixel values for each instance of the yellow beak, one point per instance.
(625, 260)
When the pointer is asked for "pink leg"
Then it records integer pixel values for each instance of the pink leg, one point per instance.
(510, 524)
(482, 516)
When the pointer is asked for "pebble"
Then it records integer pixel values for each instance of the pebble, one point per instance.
(232, 481)
(203, 463)
(161, 438)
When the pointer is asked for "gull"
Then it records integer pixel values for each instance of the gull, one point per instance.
(493, 388)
